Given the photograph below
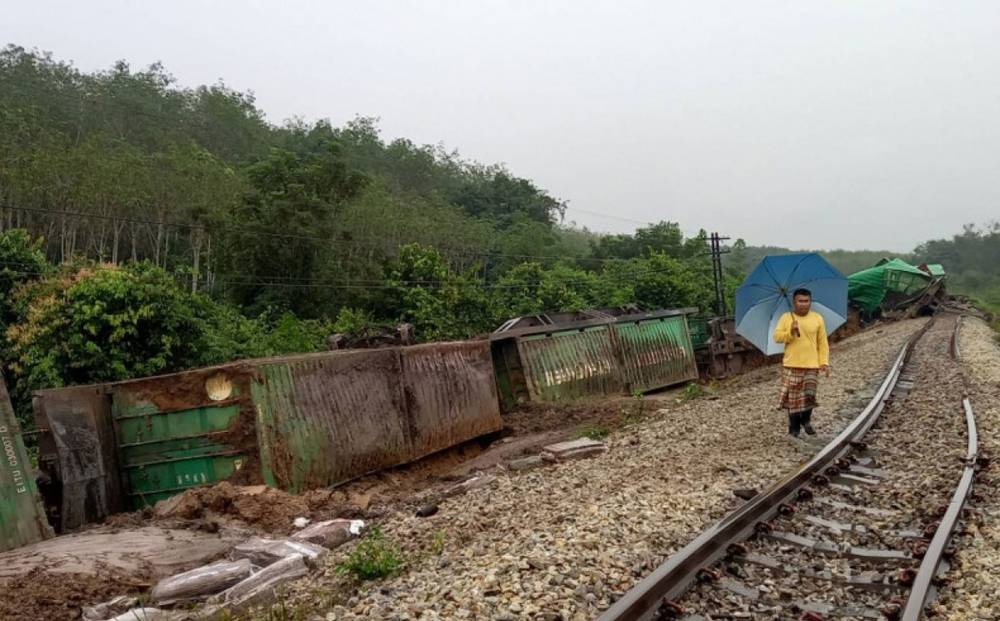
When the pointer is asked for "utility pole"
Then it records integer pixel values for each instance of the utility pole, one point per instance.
(716, 251)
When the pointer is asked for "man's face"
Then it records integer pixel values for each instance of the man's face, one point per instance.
(802, 304)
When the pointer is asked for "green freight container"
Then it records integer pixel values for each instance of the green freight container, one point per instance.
(324, 419)
(22, 519)
(595, 354)
(163, 453)
(568, 364)
(183, 431)
(293, 422)
(655, 352)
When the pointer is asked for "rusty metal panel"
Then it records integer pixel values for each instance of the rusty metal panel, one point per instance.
(78, 455)
(451, 394)
(512, 386)
(655, 352)
(22, 519)
(570, 364)
(323, 419)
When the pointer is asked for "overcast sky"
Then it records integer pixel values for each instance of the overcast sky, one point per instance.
(802, 124)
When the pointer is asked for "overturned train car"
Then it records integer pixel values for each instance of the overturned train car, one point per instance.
(566, 356)
(292, 422)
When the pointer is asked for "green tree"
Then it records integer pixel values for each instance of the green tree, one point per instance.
(21, 261)
(104, 323)
(530, 288)
(667, 282)
(286, 225)
(441, 304)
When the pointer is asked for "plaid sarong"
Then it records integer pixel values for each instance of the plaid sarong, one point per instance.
(798, 389)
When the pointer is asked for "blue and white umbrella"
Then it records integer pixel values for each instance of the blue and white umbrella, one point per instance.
(766, 295)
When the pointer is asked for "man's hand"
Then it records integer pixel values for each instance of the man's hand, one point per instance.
(795, 327)
(825, 369)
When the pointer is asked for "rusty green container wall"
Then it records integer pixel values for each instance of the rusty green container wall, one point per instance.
(655, 352)
(570, 364)
(597, 353)
(323, 419)
(165, 450)
(22, 519)
(450, 394)
(326, 418)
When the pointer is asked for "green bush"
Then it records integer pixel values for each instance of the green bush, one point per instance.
(692, 390)
(374, 557)
(351, 321)
(441, 304)
(103, 323)
(594, 432)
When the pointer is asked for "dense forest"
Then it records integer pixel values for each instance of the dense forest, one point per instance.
(147, 228)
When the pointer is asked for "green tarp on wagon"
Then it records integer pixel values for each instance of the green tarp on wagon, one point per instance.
(891, 280)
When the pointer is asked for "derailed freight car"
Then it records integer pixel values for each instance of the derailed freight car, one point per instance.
(292, 422)
(564, 356)
(22, 520)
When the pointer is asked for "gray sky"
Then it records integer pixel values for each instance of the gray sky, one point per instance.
(802, 124)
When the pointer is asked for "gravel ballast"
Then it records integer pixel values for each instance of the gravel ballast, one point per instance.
(562, 541)
(973, 593)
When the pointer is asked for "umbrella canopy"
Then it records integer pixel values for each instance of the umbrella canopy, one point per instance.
(766, 295)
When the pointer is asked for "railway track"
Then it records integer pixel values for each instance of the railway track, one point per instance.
(864, 530)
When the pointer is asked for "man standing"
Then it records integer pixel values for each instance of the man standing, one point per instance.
(806, 353)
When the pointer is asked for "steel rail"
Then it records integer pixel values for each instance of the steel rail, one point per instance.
(671, 579)
(937, 549)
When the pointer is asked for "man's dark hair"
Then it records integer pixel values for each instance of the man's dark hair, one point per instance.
(799, 292)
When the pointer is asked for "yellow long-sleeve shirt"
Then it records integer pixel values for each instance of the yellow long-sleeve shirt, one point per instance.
(809, 350)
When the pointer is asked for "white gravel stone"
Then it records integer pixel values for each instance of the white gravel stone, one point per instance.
(974, 591)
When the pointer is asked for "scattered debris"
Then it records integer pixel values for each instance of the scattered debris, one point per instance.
(745, 494)
(330, 533)
(263, 552)
(259, 588)
(573, 449)
(427, 510)
(301, 522)
(259, 506)
(200, 582)
(372, 338)
(475, 482)
(526, 463)
(110, 608)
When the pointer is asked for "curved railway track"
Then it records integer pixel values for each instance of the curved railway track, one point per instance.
(863, 530)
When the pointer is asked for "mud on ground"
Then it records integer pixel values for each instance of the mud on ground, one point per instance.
(42, 594)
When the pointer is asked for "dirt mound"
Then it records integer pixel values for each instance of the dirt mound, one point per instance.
(257, 506)
(43, 595)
